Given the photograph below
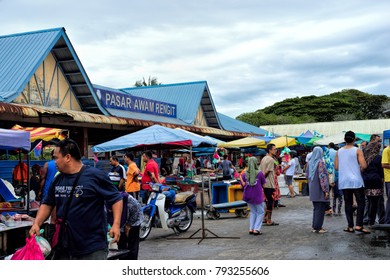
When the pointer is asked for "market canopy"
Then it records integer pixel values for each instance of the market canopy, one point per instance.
(244, 142)
(215, 139)
(42, 133)
(363, 136)
(150, 136)
(338, 139)
(14, 139)
(197, 140)
(281, 142)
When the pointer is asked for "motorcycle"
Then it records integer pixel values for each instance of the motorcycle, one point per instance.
(178, 215)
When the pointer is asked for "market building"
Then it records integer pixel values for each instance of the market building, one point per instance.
(43, 83)
(376, 126)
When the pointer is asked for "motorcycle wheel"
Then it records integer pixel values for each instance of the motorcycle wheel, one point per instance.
(146, 227)
(186, 224)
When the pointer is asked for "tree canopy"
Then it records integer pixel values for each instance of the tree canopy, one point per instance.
(152, 81)
(348, 104)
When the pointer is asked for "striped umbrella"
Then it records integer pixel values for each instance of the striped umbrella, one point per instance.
(41, 133)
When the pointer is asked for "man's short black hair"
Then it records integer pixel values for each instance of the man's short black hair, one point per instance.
(130, 156)
(269, 147)
(349, 136)
(332, 145)
(373, 137)
(148, 154)
(68, 146)
(114, 158)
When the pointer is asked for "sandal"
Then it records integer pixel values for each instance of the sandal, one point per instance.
(350, 230)
(251, 232)
(363, 230)
(272, 224)
(255, 232)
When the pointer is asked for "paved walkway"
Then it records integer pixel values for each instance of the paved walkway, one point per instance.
(291, 240)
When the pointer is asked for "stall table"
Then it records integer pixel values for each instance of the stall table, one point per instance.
(5, 230)
(300, 179)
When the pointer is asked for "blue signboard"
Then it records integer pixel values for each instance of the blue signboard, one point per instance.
(127, 102)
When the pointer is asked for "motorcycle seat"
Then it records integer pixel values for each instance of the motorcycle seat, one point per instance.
(183, 197)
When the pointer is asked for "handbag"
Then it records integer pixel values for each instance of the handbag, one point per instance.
(57, 242)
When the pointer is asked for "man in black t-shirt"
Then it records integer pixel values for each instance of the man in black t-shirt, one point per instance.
(86, 227)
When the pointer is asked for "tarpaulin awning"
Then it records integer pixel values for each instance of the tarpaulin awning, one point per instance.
(339, 138)
(150, 136)
(197, 140)
(214, 139)
(13, 139)
(41, 133)
(244, 142)
(281, 142)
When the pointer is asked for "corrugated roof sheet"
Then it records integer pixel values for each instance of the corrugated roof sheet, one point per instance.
(33, 111)
(332, 128)
(186, 96)
(229, 123)
(22, 54)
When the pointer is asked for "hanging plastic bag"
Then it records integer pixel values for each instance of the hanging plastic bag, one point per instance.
(30, 251)
(43, 244)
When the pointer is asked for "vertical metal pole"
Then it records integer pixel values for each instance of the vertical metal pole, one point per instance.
(28, 184)
(202, 208)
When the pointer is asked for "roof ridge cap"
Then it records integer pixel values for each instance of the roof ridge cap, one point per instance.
(33, 32)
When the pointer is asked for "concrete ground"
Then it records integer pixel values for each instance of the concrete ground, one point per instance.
(291, 240)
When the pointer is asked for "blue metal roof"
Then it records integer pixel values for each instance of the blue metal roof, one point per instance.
(187, 97)
(21, 55)
(231, 124)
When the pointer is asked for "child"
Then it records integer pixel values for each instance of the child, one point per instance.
(337, 195)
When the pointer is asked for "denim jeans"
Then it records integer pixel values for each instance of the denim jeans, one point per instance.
(256, 216)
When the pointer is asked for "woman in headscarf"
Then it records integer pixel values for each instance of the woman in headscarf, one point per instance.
(373, 178)
(318, 188)
(252, 182)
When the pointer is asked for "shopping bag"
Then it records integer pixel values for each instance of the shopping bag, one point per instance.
(43, 244)
(30, 251)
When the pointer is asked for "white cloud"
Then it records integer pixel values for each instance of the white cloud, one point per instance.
(251, 53)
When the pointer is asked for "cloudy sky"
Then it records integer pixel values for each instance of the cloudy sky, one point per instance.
(252, 53)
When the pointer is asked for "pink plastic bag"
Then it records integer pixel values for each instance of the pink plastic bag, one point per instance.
(30, 251)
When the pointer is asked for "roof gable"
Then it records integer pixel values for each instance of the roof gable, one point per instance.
(22, 54)
(185, 96)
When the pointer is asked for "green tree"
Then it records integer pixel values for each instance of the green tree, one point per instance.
(348, 104)
(152, 81)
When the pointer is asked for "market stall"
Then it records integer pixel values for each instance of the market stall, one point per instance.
(16, 141)
(19, 141)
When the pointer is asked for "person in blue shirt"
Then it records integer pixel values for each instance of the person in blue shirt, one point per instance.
(86, 227)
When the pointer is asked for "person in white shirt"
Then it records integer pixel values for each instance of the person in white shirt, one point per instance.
(289, 171)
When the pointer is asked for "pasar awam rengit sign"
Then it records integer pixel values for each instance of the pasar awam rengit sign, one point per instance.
(127, 102)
